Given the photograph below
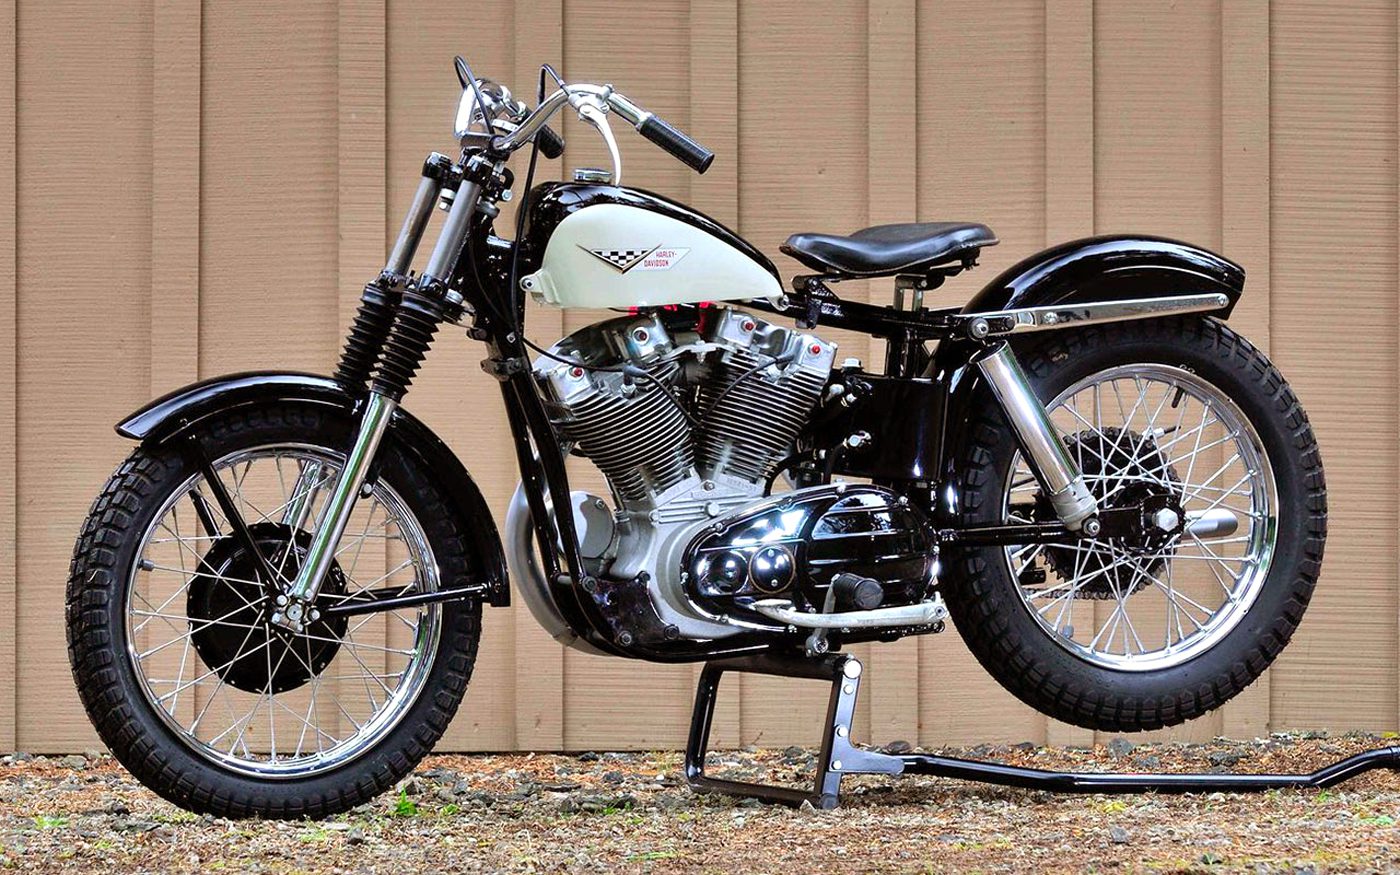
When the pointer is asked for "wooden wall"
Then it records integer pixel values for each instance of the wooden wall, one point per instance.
(193, 188)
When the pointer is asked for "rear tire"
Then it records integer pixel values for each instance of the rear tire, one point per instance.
(140, 733)
(989, 605)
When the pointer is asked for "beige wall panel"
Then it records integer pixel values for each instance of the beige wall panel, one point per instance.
(268, 253)
(1157, 137)
(254, 179)
(614, 702)
(84, 277)
(452, 394)
(802, 154)
(1334, 260)
(981, 145)
(8, 344)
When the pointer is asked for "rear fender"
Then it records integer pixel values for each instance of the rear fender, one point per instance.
(171, 416)
(1096, 269)
(1111, 269)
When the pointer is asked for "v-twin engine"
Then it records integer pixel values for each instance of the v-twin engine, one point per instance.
(689, 421)
(747, 386)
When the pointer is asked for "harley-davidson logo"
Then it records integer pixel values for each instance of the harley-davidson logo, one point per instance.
(655, 258)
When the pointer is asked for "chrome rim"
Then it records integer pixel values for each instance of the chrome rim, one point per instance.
(351, 685)
(1144, 604)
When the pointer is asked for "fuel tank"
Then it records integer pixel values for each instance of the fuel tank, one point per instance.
(593, 245)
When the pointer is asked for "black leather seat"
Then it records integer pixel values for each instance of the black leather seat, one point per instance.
(890, 249)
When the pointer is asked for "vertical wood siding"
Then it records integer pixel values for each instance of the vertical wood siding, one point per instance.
(240, 170)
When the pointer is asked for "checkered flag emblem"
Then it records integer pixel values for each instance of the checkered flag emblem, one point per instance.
(622, 259)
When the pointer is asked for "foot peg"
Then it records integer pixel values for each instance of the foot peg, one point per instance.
(840, 756)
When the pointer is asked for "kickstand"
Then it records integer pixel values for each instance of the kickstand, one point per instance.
(840, 756)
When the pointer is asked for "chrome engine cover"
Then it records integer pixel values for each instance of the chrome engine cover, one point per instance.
(748, 385)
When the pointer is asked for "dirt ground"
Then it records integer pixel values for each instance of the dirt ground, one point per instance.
(630, 812)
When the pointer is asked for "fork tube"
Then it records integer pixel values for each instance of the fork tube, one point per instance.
(414, 223)
(1051, 462)
(379, 409)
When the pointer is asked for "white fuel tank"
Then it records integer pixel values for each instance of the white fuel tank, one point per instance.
(605, 246)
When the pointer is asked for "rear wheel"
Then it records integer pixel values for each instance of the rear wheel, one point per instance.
(1186, 418)
(175, 654)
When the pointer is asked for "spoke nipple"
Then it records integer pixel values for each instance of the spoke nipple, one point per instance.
(281, 601)
(146, 565)
(315, 615)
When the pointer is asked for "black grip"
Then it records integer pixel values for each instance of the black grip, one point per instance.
(551, 144)
(686, 150)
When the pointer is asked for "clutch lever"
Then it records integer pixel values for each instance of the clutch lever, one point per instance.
(597, 117)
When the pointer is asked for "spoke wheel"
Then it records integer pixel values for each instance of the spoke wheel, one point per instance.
(171, 609)
(1143, 432)
(1161, 622)
(243, 691)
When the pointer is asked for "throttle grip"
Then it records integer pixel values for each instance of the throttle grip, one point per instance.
(551, 144)
(682, 147)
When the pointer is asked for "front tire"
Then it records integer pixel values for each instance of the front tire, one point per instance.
(344, 713)
(1011, 611)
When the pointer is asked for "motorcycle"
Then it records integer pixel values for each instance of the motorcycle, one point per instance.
(276, 601)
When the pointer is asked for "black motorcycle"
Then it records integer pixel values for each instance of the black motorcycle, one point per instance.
(275, 603)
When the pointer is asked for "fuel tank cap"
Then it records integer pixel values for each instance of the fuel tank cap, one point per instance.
(592, 174)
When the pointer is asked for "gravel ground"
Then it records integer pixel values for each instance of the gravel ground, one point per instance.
(615, 812)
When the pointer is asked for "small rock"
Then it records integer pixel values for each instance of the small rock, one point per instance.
(568, 805)
(614, 777)
(78, 762)
(749, 802)
(411, 786)
(563, 786)
(1118, 835)
(356, 836)
(1223, 757)
(93, 755)
(117, 807)
(1120, 747)
(807, 807)
(20, 756)
(445, 795)
(1149, 763)
(898, 746)
(670, 801)
(588, 756)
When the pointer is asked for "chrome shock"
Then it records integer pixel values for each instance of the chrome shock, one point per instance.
(1058, 474)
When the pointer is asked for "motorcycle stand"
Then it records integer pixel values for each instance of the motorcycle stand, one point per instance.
(841, 756)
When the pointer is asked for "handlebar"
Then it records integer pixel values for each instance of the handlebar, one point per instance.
(603, 97)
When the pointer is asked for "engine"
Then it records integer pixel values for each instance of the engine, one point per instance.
(686, 423)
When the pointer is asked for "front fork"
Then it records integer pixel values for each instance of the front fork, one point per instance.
(1060, 477)
(391, 335)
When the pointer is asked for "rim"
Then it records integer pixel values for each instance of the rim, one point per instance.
(353, 683)
(1142, 605)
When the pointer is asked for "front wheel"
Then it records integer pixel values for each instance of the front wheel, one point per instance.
(188, 680)
(1185, 417)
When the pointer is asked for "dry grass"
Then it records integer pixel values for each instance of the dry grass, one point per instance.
(631, 813)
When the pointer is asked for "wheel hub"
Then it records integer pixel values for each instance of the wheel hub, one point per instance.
(1123, 468)
(231, 615)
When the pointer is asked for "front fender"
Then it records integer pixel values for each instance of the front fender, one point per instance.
(1111, 269)
(174, 415)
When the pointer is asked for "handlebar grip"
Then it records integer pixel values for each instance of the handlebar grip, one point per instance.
(551, 144)
(683, 148)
